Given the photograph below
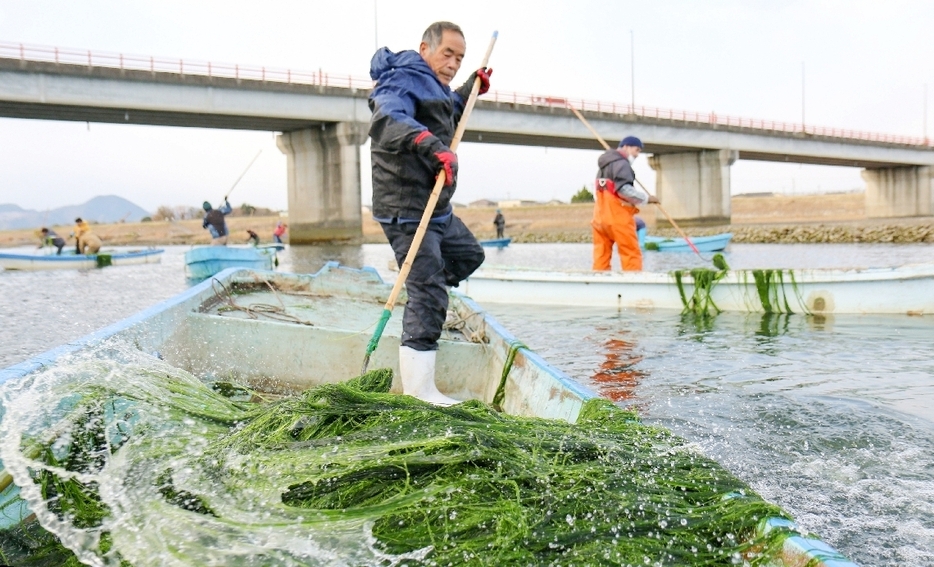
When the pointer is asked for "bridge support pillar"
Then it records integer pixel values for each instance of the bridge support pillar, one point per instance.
(899, 192)
(694, 187)
(324, 182)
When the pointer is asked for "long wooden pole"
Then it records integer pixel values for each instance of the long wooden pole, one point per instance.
(426, 216)
(659, 205)
(229, 191)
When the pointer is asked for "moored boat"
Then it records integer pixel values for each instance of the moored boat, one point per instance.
(904, 290)
(71, 261)
(713, 243)
(317, 336)
(277, 246)
(496, 242)
(205, 261)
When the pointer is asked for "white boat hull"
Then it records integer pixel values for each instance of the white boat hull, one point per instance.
(32, 263)
(905, 290)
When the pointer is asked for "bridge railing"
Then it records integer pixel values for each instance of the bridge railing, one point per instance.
(711, 118)
(273, 74)
(179, 66)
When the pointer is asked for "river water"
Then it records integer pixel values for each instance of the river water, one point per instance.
(832, 418)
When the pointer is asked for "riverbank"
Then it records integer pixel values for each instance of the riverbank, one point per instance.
(834, 218)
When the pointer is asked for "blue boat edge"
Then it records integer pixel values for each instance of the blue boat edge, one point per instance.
(712, 243)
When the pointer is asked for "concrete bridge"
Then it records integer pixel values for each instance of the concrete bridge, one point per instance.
(323, 120)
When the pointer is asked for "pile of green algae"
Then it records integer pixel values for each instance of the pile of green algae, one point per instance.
(463, 485)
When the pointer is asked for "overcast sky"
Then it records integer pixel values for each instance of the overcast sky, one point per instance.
(866, 64)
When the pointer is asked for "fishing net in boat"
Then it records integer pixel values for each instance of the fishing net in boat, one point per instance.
(136, 462)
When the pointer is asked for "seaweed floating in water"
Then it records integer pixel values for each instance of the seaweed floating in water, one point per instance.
(350, 474)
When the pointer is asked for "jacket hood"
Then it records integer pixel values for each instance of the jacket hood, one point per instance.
(385, 60)
(609, 157)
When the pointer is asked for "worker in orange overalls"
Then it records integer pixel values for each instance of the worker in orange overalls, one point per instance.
(615, 201)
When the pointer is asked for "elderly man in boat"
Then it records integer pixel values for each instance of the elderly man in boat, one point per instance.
(616, 199)
(415, 114)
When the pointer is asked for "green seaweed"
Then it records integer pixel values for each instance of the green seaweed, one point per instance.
(500, 394)
(770, 288)
(464, 485)
(701, 304)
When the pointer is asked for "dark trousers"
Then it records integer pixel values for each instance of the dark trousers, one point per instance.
(448, 254)
(499, 230)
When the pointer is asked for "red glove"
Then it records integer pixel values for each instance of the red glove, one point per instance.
(428, 145)
(484, 75)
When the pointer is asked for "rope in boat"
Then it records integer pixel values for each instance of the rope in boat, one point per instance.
(256, 310)
(454, 321)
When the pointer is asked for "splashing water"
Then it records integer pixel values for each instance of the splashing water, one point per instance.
(137, 434)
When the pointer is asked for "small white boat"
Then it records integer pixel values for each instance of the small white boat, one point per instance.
(204, 261)
(226, 327)
(68, 260)
(905, 290)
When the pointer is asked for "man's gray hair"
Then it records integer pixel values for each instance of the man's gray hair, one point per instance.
(432, 35)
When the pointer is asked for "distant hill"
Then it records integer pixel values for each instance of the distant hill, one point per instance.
(105, 209)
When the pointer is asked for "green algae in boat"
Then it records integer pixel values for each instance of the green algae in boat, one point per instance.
(427, 485)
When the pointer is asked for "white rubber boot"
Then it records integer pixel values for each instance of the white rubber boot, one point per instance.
(417, 372)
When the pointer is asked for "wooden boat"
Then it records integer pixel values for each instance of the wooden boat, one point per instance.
(209, 330)
(204, 261)
(71, 261)
(714, 243)
(907, 289)
(496, 242)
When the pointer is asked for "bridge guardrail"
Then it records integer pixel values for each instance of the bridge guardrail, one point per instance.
(273, 74)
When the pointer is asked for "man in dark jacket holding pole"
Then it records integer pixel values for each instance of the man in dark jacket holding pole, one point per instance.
(215, 223)
(616, 199)
(415, 114)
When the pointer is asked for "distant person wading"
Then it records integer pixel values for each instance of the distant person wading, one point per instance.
(215, 223)
(500, 222)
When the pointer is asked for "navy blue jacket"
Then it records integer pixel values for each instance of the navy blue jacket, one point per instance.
(408, 98)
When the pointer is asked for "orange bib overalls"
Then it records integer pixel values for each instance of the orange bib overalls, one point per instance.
(614, 222)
